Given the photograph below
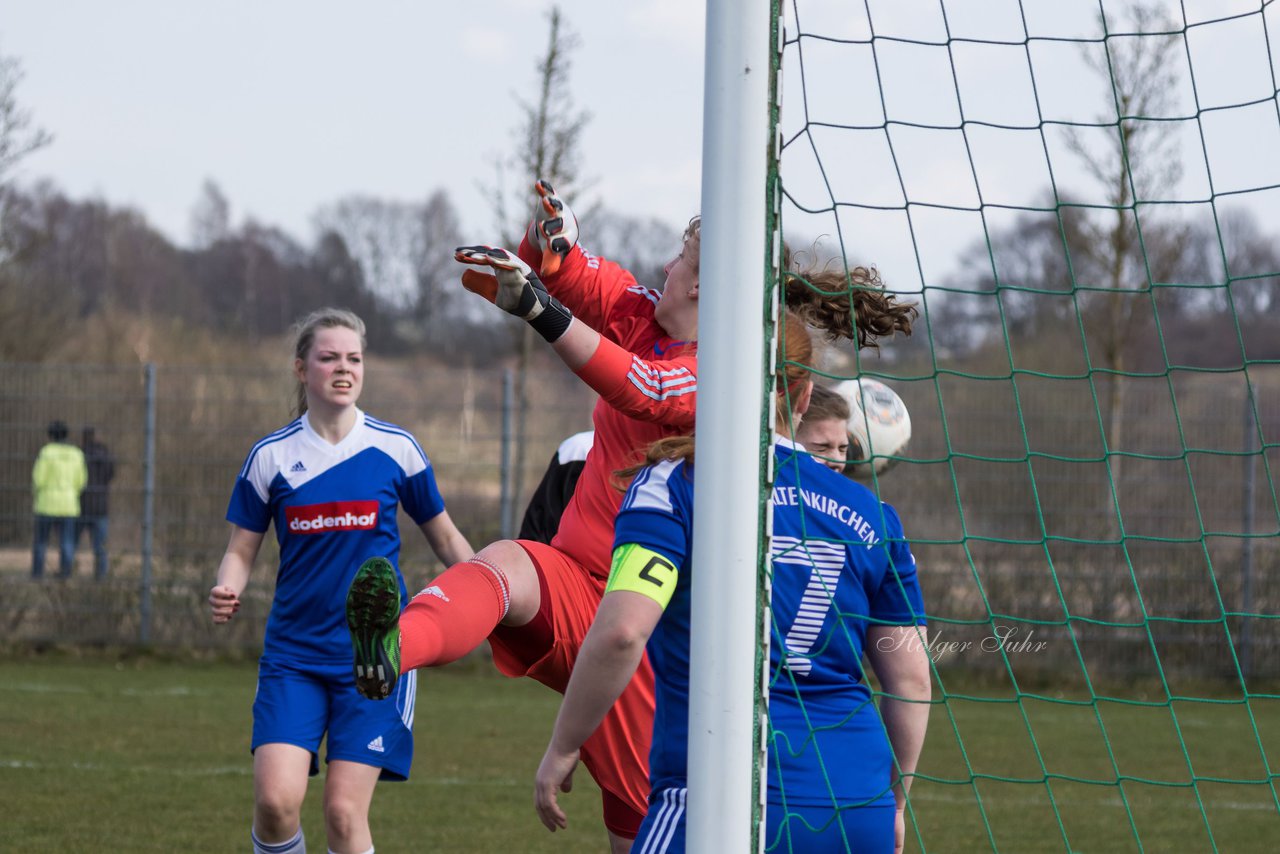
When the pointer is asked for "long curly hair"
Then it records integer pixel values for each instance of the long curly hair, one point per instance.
(844, 303)
(840, 303)
(847, 303)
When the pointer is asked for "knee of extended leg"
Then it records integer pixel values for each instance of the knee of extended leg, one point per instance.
(343, 817)
(274, 814)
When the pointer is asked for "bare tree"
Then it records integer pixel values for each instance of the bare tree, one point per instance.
(31, 315)
(1139, 157)
(74, 260)
(386, 238)
(18, 137)
(642, 245)
(1006, 284)
(1252, 260)
(547, 139)
(405, 253)
(547, 146)
(210, 216)
(439, 305)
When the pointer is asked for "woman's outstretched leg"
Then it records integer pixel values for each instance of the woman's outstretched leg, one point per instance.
(444, 622)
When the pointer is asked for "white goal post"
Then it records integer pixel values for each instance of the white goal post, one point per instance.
(725, 730)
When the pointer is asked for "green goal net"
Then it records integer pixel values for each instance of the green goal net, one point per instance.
(1082, 198)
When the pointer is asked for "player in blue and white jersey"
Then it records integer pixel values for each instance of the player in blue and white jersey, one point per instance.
(824, 430)
(844, 585)
(330, 482)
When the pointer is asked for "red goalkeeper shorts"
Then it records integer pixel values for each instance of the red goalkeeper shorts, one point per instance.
(617, 754)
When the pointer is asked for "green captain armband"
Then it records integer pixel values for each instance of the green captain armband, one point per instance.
(640, 570)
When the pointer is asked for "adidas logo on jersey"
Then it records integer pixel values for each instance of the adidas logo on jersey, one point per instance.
(296, 467)
(376, 745)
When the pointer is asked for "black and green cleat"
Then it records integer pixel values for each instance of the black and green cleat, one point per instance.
(373, 618)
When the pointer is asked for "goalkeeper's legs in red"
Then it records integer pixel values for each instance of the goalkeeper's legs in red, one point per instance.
(535, 604)
(457, 611)
(444, 622)
(545, 648)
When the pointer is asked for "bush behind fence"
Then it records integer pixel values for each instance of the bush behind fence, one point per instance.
(1160, 560)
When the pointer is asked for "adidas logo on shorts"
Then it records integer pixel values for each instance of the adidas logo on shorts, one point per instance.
(376, 745)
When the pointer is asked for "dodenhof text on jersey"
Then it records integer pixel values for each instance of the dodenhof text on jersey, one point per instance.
(332, 516)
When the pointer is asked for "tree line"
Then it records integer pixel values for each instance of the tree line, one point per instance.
(64, 259)
(67, 262)
(1136, 284)
(1139, 283)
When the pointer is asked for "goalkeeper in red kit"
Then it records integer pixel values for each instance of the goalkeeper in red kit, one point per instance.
(637, 348)
(534, 602)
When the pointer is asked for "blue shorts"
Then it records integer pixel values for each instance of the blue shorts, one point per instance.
(662, 831)
(823, 830)
(795, 830)
(297, 704)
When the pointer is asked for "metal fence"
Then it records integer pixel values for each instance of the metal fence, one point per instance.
(180, 435)
(1161, 559)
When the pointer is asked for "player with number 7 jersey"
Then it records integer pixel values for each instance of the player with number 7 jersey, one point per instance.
(844, 585)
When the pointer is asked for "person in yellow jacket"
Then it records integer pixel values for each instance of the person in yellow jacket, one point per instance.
(57, 479)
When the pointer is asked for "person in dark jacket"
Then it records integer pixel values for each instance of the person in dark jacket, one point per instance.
(93, 501)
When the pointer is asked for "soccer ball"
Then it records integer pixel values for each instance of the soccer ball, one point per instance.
(879, 426)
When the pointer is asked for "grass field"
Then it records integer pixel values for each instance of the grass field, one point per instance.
(136, 754)
(1081, 748)
(140, 755)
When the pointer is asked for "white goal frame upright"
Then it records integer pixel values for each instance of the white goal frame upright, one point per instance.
(725, 732)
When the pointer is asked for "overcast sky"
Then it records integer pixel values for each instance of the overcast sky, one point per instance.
(292, 104)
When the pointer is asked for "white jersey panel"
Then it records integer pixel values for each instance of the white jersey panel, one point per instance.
(298, 455)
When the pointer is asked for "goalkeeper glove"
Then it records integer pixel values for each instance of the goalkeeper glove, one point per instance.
(554, 229)
(515, 288)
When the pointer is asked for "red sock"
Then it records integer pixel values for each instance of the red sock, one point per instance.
(454, 615)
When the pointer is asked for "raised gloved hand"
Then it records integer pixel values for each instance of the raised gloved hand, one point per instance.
(515, 288)
(554, 228)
